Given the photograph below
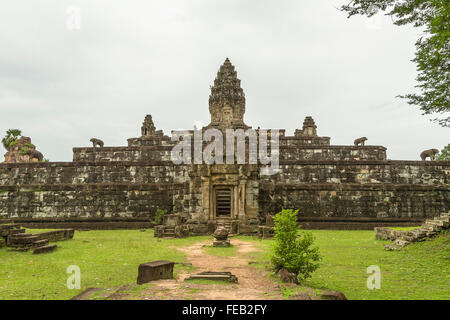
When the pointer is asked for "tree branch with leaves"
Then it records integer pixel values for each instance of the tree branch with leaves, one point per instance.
(432, 55)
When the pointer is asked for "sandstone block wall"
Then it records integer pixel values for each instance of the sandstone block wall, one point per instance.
(335, 153)
(91, 190)
(358, 189)
(133, 154)
(375, 189)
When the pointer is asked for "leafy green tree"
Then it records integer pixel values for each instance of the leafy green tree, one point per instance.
(444, 155)
(432, 48)
(11, 136)
(293, 249)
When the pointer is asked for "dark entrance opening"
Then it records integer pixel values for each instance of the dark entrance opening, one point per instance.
(223, 201)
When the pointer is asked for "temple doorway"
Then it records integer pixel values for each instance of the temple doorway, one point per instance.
(223, 201)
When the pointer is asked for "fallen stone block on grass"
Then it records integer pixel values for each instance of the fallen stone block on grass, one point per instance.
(155, 270)
(45, 249)
(56, 235)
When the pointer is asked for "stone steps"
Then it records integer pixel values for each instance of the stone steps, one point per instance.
(5, 221)
(429, 228)
(40, 243)
(18, 240)
(14, 241)
(169, 232)
(10, 228)
(212, 275)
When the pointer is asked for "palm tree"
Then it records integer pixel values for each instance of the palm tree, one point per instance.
(11, 136)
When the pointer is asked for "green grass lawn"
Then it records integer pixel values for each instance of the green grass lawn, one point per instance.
(111, 258)
(404, 228)
(106, 259)
(419, 271)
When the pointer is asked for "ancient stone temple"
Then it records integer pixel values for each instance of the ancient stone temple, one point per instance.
(22, 150)
(353, 187)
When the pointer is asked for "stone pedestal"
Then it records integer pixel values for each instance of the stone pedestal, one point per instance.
(221, 243)
(221, 237)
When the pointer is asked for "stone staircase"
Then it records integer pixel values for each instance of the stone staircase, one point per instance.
(429, 228)
(14, 236)
(169, 232)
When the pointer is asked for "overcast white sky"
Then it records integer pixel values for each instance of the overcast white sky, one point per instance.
(63, 86)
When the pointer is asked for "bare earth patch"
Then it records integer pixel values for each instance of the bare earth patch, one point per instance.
(253, 283)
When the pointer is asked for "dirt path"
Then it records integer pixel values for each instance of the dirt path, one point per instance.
(253, 283)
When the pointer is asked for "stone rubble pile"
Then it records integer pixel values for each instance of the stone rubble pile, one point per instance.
(402, 238)
(14, 236)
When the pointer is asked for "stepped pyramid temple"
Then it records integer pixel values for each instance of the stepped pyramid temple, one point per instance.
(342, 187)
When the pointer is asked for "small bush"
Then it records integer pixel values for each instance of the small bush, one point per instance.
(159, 216)
(293, 249)
(444, 155)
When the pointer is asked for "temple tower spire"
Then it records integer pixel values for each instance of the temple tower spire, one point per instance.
(227, 99)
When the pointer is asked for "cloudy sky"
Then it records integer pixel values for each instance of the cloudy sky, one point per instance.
(63, 85)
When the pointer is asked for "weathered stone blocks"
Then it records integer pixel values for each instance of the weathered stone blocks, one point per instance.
(265, 232)
(155, 270)
(213, 275)
(181, 231)
(45, 249)
(159, 231)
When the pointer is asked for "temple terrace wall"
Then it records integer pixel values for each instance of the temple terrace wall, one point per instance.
(362, 172)
(91, 190)
(288, 151)
(358, 189)
(322, 189)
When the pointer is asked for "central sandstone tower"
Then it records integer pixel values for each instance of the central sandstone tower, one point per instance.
(225, 193)
(227, 100)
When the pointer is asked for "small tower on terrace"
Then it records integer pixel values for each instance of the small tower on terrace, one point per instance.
(148, 127)
(149, 135)
(309, 128)
(227, 99)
